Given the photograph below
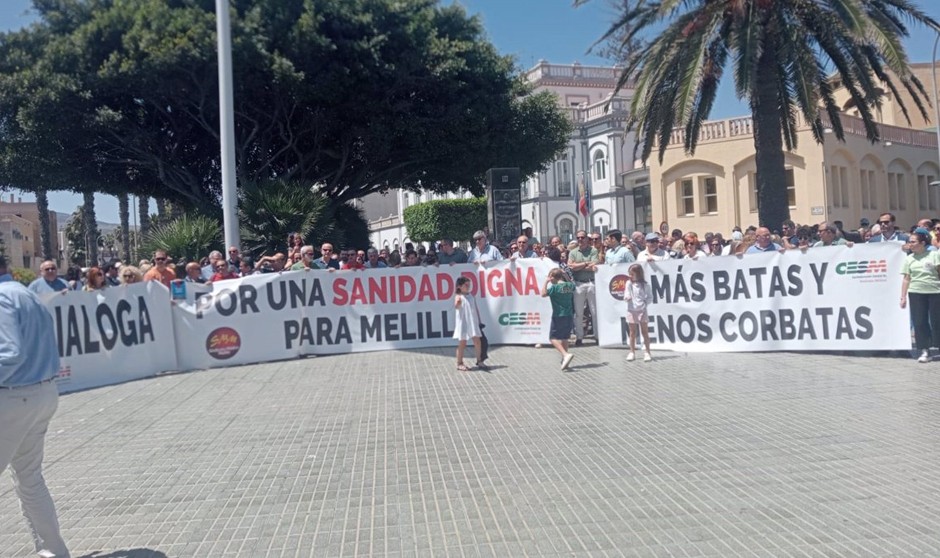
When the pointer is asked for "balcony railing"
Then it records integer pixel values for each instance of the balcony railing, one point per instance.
(616, 106)
(737, 128)
(544, 70)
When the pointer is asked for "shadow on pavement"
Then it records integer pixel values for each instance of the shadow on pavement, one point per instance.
(131, 553)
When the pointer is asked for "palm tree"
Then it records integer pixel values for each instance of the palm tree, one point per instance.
(91, 227)
(270, 210)
(783, 54)
(42, 207)
(124, 210)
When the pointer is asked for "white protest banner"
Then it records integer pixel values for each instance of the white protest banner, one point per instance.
(113, 335)
(276, 316)
(832, 298)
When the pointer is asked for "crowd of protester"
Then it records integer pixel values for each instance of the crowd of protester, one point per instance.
(578, 260)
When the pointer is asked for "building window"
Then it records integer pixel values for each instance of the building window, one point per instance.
(791, 188)
(600, 165)
(840, 186)
(562, 178)
(710, 195)
(868, 186)
(566, 230)
(686, 203)
(897, 197)
(923, 192)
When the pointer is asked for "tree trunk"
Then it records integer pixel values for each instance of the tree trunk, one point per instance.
(124, 210)
(143, 207)
(91, 228)
(161, 210)
(45, 235)
(772, 205)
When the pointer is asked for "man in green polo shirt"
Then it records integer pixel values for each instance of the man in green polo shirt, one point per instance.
(583, 263)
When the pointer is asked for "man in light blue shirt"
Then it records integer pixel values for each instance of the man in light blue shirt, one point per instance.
(483, 251)
(49, 281)
(29, 363)
(764, 243)
(615, 252)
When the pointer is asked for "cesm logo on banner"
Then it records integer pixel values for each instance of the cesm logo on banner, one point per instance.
(864, 270)
(520, 319)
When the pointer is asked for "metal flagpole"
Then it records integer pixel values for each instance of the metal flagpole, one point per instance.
(227, 124)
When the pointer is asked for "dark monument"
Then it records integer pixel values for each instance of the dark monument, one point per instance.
(504, 205)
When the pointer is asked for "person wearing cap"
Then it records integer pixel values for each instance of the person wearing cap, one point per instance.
(28, 400)
(921, 285)
(653, 252)
(483, 251)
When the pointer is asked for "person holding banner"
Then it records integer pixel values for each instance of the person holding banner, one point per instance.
(483, 251)
(922, 285)
(48, 281)
(28, 400)
(467, 323)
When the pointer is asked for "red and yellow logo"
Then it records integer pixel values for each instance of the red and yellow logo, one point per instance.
(223, 343)
(617, 285)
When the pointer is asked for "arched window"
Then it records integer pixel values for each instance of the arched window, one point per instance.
(600, 165)
(566, 229)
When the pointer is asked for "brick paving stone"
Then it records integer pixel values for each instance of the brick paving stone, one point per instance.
(397, 454)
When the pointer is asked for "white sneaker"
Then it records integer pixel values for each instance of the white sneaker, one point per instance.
(924, 357)
(566, 361)
(647, 357)
(631, 356)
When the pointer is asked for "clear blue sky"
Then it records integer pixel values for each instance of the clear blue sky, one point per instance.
(529, 30)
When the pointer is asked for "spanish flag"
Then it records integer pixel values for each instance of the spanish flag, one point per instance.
(584, 199)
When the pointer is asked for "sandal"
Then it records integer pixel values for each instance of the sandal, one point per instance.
(463, 368)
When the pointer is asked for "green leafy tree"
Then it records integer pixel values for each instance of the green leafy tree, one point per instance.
(781, 55)
(189, 237)
(355, 96)
(437, 219)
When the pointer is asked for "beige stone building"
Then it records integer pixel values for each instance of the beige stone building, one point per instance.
(19, 224)
(714, 189)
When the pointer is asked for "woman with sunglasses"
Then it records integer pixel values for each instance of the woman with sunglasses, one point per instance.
(692, 250)
(130, 275)
(94, 280)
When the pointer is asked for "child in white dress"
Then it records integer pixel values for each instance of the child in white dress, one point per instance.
(467, 322)
(638, 294)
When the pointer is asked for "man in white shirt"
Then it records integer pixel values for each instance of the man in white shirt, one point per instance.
(653, 252)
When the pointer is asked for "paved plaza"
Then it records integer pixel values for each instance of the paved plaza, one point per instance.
(399, 454)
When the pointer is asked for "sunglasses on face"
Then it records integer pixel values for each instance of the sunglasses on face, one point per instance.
(884, 222)
(159, 259)
(49, 268)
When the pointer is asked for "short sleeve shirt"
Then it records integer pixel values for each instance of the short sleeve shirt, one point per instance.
(578, 256)
(562, 296)
(617, 255)
(922, 269)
